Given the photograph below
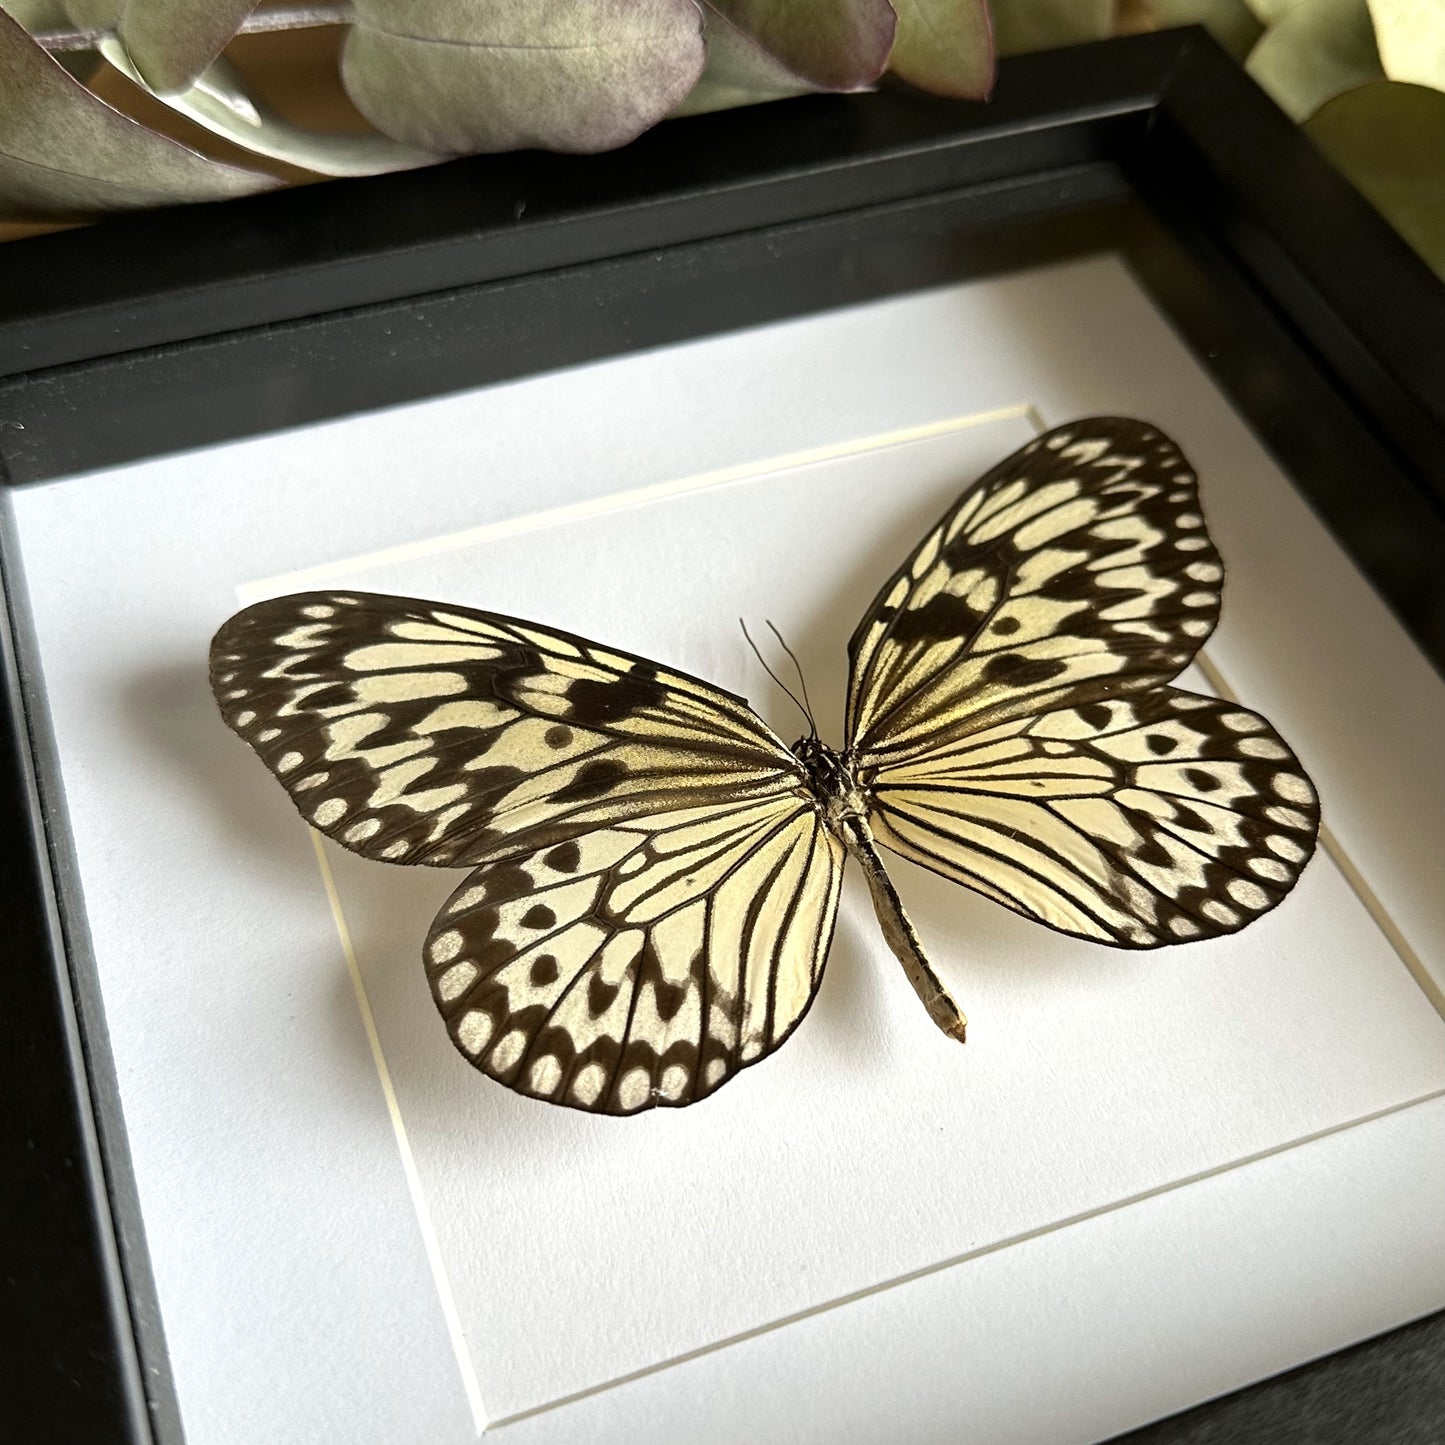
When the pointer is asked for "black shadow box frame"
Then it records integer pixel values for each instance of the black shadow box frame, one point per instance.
(157, 332)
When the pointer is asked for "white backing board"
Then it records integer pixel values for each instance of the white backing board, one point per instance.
(346, 1254)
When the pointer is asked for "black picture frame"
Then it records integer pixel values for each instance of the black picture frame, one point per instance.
(1316, 320)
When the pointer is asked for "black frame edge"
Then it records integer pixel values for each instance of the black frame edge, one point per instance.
(161, 277)
(1224, 146)
(74, 1369)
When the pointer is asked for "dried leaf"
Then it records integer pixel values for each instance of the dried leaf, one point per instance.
(826, 44)
(64, 152)
(1020, 25)
(946, 46)
(1389, 139)
(219, 101)
(1411, 37)
(170, 42)
(1318, 49)
(569, 75)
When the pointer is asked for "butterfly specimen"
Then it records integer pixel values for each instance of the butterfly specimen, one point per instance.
(655, 873)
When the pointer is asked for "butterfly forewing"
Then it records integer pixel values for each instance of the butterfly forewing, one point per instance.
(1146, 820)
(1077, 569)
(641, 964)
(419, 733)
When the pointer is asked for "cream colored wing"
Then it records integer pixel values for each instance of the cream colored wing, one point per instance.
(641, 964)
(417, 732)
(1145, 820)
(1078, 569)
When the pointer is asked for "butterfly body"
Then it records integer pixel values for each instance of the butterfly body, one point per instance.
(831, 781)
(843, 805)
(655, 874)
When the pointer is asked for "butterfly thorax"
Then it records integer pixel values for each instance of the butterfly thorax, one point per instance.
(831, 780)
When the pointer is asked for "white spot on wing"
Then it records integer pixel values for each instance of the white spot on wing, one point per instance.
(588, 1084)
(446, 946)
(474, 1031)
(456, 980)
(633, 1089)
(508, 1052)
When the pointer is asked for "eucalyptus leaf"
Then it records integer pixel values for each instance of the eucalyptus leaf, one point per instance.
(1020, 25)
(738, 72)
(1316, 50)
(1389, 139)
(38, 16)
(1232, 23)
(220, 102)
(946, 46)
(827, 44)
(1411, 37)
(454, 76)
(170, 42)
(65, 152)
(42, 17)
(1268, 11)
(95, 14)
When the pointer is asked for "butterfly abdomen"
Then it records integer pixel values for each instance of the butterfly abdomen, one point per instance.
(843, 803)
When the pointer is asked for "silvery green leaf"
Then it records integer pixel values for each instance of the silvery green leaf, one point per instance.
(738, 72)
(1411, 37)
(39, 15)
(170, 42)
(50, 17)
(94, 14)
(946, 46)
(1021, 25)
(568, 75)
(761, 50)
(826, 44)
(1316, 50)
(1232, 23)
(1389, 139)
(219, 101)
(1268, 11)
(65, 152)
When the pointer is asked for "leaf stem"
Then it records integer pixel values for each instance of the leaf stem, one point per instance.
(259, 22)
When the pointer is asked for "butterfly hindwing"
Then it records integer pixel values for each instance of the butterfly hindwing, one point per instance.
(641, 964)
(420, 733)
(1078, 568)
(1147, 820)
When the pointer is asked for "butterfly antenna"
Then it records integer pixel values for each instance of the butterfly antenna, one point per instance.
(802, 681)
(774, 675)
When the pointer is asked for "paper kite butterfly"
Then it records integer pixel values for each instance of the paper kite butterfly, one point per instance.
(655, 874)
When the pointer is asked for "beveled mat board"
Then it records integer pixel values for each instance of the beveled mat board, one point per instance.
(305, 1293)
